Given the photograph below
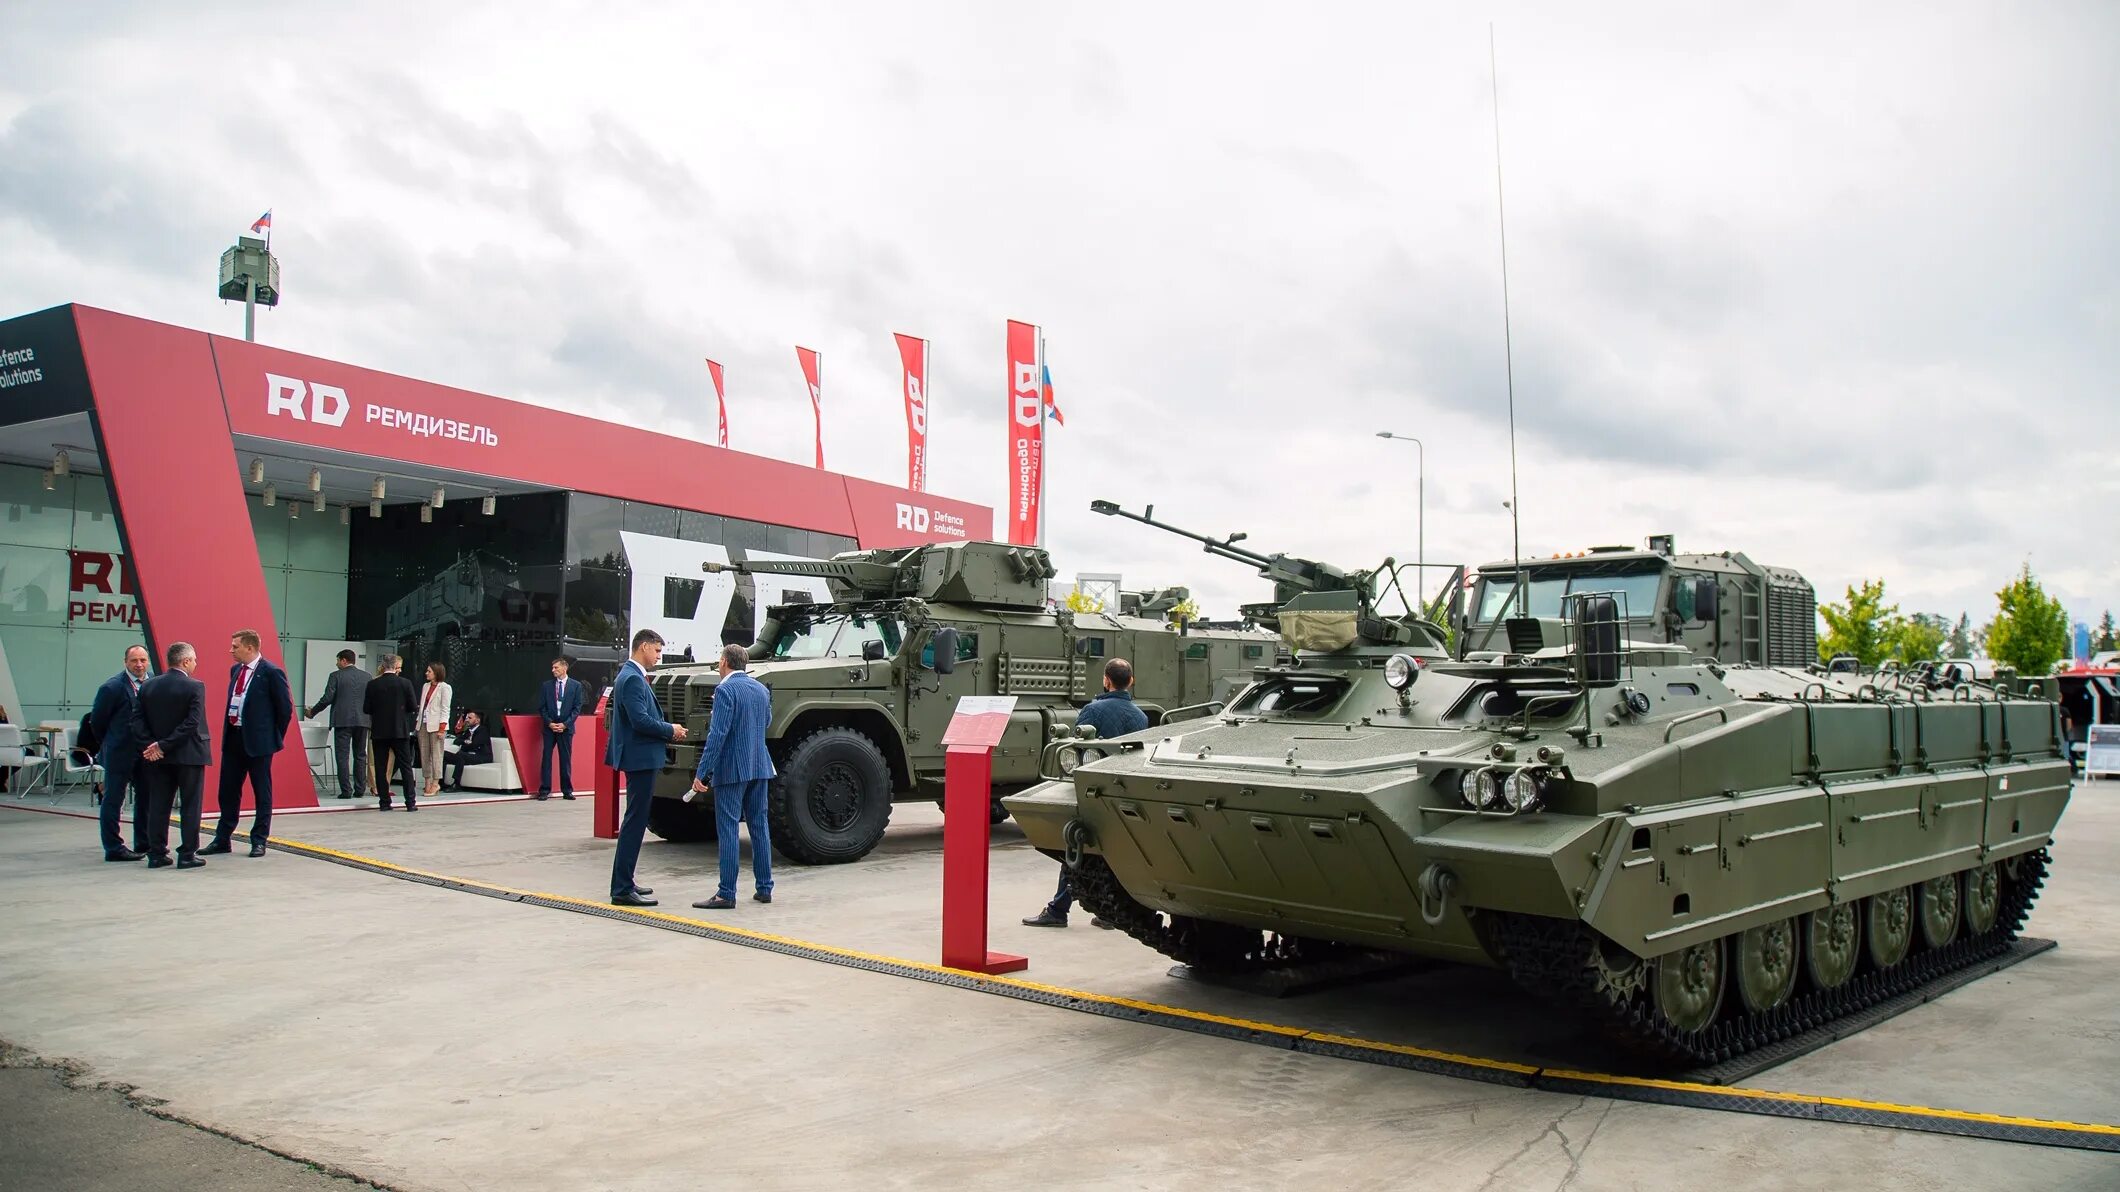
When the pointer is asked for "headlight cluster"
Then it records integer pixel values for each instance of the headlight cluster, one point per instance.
(1497, 788)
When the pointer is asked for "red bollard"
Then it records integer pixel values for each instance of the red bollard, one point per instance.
(967, 797)
(607, 806)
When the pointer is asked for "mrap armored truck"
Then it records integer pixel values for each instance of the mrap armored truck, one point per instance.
(864, 686)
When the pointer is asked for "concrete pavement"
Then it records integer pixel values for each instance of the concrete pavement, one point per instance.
(429, 1039)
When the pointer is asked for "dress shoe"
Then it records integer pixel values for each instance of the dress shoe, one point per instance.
(568, 796)
(384, 805)
(541, 796)
(762, 896)
(1046, 918)
(345, 796)
(257, 848)
(123, 854)
(191, 862)
(158, 862)
(218, 846)
(716, 903)
(631, 899)
(411, 806)
(643, 891)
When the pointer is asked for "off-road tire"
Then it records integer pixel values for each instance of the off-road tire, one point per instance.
(832, 799)
(680, 822)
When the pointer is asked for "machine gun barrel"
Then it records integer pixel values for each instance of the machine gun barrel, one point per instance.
(1285, 570)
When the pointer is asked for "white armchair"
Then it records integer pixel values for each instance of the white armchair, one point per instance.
(14, 755)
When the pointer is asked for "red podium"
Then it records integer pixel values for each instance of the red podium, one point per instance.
(967, 796)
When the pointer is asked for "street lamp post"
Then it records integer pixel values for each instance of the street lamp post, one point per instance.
(1420, 504)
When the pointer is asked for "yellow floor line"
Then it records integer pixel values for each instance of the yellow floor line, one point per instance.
(1292, 1032)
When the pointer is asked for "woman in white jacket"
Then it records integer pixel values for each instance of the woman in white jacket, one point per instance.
(433, 720)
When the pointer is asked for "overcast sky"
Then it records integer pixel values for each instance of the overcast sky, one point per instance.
(1838, 287)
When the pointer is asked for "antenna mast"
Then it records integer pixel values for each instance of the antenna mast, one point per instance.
(1516, 545)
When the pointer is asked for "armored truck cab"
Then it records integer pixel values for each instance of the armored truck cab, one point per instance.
(864, 686)
(1720, 606)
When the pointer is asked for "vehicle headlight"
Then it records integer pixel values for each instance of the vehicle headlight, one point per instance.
(1069, 759)
(1400, 671)
(1523, 790)
(1485, 790)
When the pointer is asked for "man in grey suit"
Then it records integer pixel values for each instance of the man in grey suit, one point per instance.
(346, 694)
(169, 714)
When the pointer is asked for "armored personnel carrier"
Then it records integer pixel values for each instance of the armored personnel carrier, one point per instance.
(1706, 857)
(863, 686)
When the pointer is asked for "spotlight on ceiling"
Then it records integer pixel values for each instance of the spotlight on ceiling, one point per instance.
(375, 491)
(438, 495)
(294, 511)
(272, 494)
(320, 502)
(375, 509)
(257, 471)
(316, 480)
(345, 515)
(426, 513)
(50, 482)
(59, 462)
(486, 506)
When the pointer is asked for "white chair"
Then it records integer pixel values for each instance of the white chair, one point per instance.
(316, 742)
(15, 755)
(497, 775)
(76, 766)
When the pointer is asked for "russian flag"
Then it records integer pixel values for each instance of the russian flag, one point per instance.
(264, 221)
(1052, 408)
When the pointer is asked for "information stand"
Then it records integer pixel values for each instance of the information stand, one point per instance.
(967, 799)
(607, 809)
(2101, 753)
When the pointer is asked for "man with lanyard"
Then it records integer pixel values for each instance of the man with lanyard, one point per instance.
(260, 707)
(118, 753)
(637, 735)
(1112, 714)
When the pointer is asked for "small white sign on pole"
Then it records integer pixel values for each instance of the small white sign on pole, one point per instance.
(2101, 754)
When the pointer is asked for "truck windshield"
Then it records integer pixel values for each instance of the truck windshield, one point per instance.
(837, 636)
(1637, 593)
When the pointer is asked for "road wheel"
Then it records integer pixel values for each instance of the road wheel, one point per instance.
(1940, 910)
(1888, 926)
(1833, 944)
(1983, 899)
(680, 822)
(1687, 989)
(832, 799)
(1766, 965)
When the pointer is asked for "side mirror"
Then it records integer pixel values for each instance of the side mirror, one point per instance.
(1704, 595)
(872, 651)
(945, 643)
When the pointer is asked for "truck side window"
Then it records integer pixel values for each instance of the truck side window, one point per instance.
(967, 649)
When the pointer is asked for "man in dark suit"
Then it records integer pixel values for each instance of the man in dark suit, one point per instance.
(346, 694)
(734, 763)
(637, 735)
(559, 704)
(473, 747)
(260, 707)
(169, 715)
(119, 755)
(391, 710)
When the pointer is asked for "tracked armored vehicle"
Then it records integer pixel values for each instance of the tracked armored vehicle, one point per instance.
(1704, 857)
(863, 686)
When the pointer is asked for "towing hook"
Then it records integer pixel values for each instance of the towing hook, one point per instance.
(1436, 885)
(1075, 838)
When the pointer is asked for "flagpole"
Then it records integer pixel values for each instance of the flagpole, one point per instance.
(927, 402)
(1045, 450)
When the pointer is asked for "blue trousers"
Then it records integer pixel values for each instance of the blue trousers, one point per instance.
(632, 829)
(745, 802)
(121, 774)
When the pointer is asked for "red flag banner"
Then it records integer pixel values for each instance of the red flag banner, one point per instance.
(721, 406)
(808, 359)
(912, 354)
(1026, 433)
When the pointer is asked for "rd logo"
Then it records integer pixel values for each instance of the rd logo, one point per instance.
(327, 404)
(912, 517)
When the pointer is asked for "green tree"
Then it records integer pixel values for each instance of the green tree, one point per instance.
(2030, 630)
(1960, 644)
(1863, 626)
(1918, 638)
(2104, 638)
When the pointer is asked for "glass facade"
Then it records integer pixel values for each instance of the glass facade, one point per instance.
(494, 598)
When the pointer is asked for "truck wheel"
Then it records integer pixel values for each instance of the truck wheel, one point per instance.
(832, 799)
(680, 822)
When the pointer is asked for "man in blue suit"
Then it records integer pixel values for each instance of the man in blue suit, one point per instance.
(734, 762)
(638, 732)
(260, 706)
(119, 755)
(558, 706)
